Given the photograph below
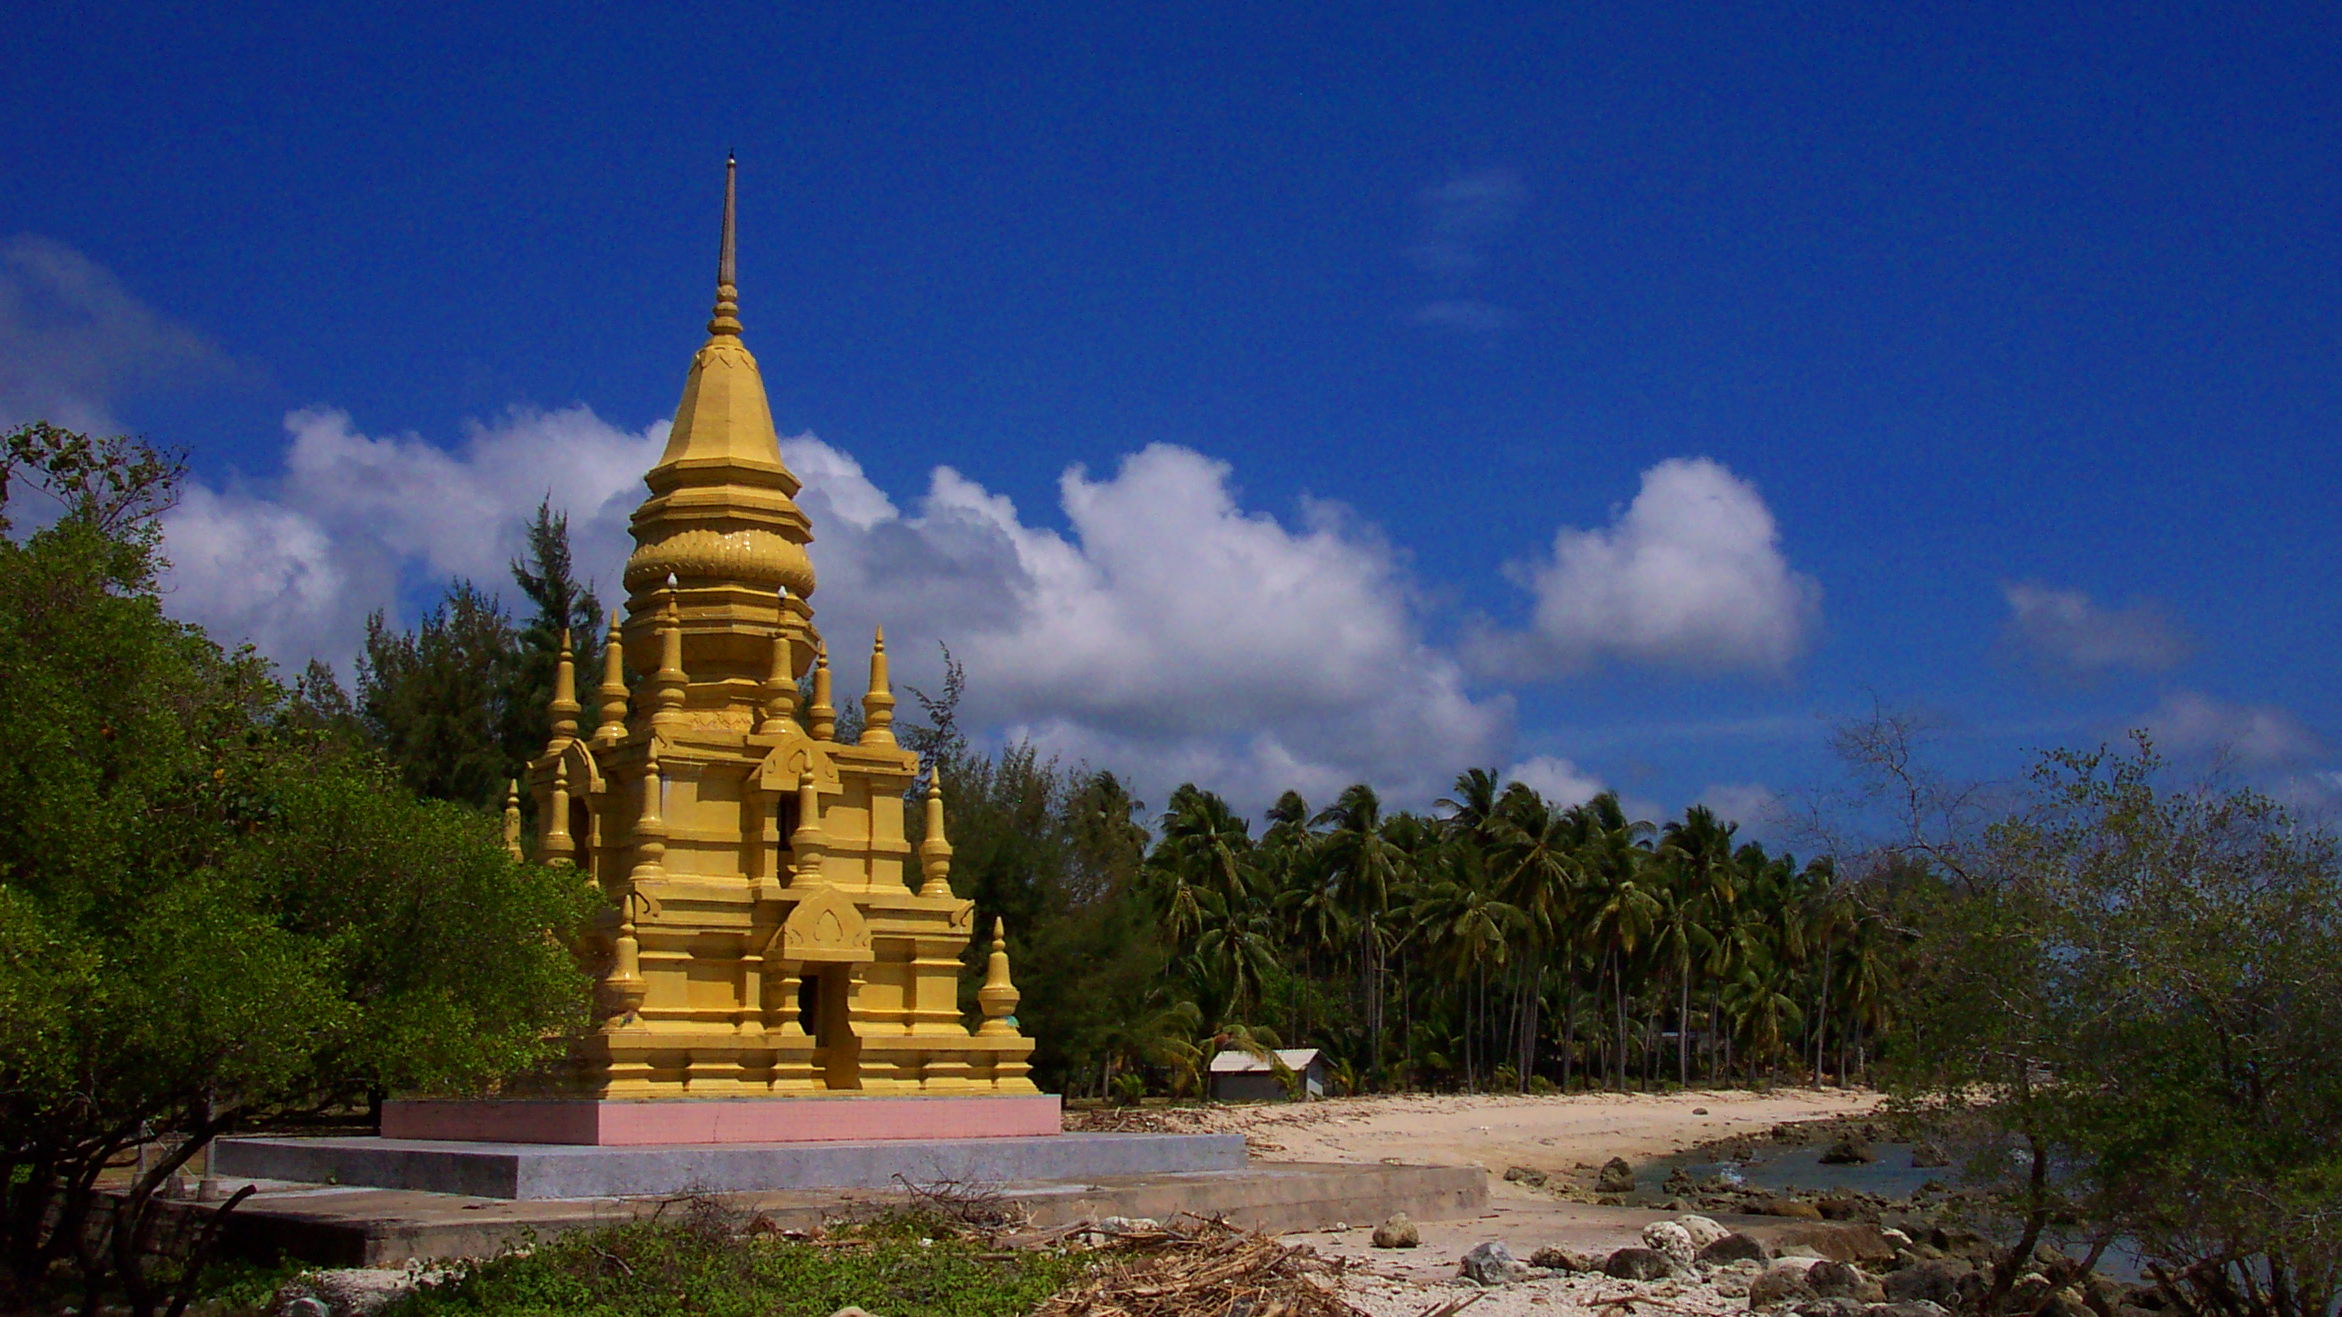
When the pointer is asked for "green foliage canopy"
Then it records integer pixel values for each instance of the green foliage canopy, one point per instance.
(2141, 988)
(211, 915)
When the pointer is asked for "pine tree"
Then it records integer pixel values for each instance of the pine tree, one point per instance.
(437, 701)
(560, 602)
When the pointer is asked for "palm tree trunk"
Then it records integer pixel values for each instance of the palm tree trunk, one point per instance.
(1683, 1032)
(1821, 1021)
(1618, 999)
(1569, 1024)
(1535, 988)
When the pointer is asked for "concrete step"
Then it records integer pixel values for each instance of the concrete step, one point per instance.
(338, 1225)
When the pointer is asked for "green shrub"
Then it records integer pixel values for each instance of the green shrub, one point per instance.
(655, 1268)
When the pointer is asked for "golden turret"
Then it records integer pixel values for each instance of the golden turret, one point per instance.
(650, 827)
(512, 818)
(935, 848)
(808, 842)
(669, 682)
(998, 997)
(557, 846)
(779, 715)
(564, 706)
(878, 703)
(612, 710)
(821, 718)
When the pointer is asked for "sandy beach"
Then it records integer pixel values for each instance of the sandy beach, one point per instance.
(1568, 1137)
(1552, 1134)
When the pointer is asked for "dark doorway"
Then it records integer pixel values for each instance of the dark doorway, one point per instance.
(809, 1007)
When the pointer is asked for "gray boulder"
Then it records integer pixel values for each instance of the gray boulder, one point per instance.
(1795, 1208)
(1734, 1247)
(1616, 1178)
(1843, 1280)
(1703, 1230)
(1492, 1264)
(1779, 1285)
(1639, 1264)
(1938, 1282)
(1554, 1257)
(1848, 1151)
(1672, 1239)
(1910, 1308)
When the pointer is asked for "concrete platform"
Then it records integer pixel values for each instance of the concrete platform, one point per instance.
(553, 1170)
(835, 1117)
(344, 1226)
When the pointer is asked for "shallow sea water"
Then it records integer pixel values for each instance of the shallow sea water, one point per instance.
(1801, 1171)
(1785, 1169)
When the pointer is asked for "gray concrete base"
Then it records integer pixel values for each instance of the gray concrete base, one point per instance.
(353, 1227)
(554, 1170)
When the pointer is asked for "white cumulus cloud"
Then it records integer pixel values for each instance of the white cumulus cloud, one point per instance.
(296, 563)
(2067, 631)
(1558, 780)
(1690, 575)
(2187, 723)
(74, 339)
(1749, 804)
(1166, 630)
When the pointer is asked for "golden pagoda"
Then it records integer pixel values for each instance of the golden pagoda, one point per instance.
(770, 931)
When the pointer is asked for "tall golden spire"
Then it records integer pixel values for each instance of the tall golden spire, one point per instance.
(726, 319)
(721, 515)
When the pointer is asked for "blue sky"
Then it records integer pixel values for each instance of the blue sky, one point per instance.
(1623, 395)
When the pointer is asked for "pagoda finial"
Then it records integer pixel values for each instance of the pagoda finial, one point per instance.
(808, 842)
(512, 817)
(555, 844)
(779, 714)
(612, 727)
(726, 320)
(564, 706)
(668, 682)
(998, 997)
(878, 703)
(821, 716)
(650, 826)
(935, 848)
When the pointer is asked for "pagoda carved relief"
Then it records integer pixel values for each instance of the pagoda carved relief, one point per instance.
(771, 930)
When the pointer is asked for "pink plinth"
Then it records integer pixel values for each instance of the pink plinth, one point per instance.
(721, 1120)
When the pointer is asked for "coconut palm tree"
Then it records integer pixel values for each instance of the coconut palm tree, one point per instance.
(1473, 807)
(1679, 943)
(1202, 855)
(1619, 901)
(1236, 953)
(1365, 864)
(1762, 1010)
(1533, 851)
(1456, 911)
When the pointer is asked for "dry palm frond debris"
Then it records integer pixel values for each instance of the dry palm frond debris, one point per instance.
(1202, 1267)
(1136, 1120)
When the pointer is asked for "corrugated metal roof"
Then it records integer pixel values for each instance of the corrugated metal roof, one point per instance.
(1233, 1062)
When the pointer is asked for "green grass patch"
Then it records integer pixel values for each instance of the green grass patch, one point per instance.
(896, 1267)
